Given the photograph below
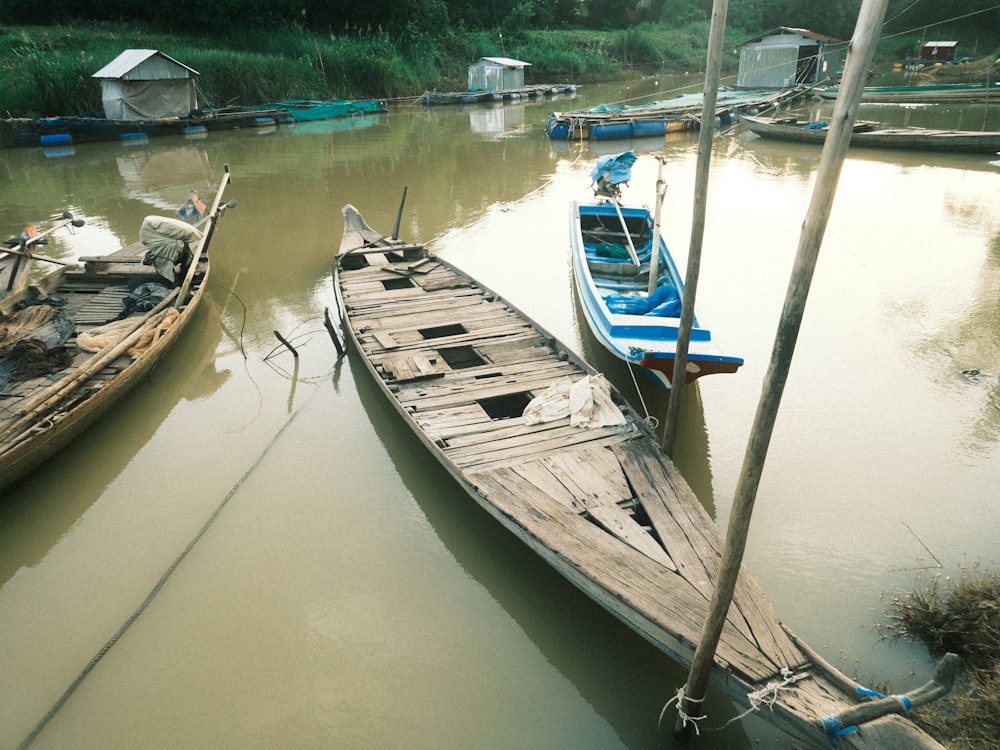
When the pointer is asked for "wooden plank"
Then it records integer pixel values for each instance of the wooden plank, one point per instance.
(385, 339)
(618, 573)
(590, 479)
(689, 536)
(622, 525)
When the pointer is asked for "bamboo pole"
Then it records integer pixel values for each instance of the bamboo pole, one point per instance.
(206, 238)
(654, 256)
(58, 391)
(713, 74)
(860, 54)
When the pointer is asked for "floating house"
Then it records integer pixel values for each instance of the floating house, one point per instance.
(145, 84)
(496, 74)
(788, 57)
(937, 52)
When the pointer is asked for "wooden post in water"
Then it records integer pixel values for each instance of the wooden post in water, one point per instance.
(706, 135)
(654, 256)
(860, 53)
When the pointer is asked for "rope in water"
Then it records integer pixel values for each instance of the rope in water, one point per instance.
(149, 597)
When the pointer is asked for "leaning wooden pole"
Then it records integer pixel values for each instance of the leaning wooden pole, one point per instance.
(860, 54)
(713, 68)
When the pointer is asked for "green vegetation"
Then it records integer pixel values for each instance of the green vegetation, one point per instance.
(964, 620)
(261, 52)
(46, 71)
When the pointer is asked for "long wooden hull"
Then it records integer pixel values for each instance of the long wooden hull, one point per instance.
(648, 340)
(45, 413)
(878, 136)
(598, 502)
(921, 94)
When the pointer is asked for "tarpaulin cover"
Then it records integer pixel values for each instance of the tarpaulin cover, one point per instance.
(617, 166)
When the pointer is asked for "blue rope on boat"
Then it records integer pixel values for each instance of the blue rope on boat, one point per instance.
(833, 729)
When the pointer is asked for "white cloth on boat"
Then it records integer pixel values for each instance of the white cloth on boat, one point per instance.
(587, 403)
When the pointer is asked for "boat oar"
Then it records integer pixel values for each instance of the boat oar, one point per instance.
(24, 243)
(33, 256)
(654, 259)
(631, 248)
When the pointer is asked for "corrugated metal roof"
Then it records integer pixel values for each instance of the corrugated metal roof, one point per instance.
(505, 61)
(790, 30)
(133, 58)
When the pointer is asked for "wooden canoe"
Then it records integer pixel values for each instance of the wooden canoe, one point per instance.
(55, 391)
(869, 135)
(483, 388)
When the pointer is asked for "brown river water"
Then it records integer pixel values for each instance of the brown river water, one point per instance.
(329, 585)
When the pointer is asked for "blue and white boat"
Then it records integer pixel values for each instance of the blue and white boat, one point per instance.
(613, 262)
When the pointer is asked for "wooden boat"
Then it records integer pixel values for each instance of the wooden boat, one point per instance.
(607, 122)
(545, 445)
(612, 250)
(922, 93)
(869, 135)
(76, 340)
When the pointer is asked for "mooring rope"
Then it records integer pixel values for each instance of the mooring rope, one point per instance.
(152, 594)
(765, 696)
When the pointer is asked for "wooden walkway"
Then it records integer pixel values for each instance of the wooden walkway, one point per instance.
(603, 505)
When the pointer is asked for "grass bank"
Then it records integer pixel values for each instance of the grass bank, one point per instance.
(46, 71)
(961, 616)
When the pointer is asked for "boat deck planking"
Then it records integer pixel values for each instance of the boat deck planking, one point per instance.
(603, 505)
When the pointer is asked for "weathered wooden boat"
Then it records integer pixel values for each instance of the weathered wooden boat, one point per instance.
(89, 128)
(870, 135)
(534, 91)
(76, 340)
(921, 93)
(545, 445)
(684, 112)
(308, 110)
(613, 247)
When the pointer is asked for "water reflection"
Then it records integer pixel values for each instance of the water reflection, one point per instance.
(311, 600)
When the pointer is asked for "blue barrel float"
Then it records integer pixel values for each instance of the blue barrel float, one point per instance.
(56, 139)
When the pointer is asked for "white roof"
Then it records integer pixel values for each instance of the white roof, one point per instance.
(507, 62)
(130, 59)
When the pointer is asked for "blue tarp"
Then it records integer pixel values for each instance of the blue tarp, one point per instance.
(663, 303)
(617, 166)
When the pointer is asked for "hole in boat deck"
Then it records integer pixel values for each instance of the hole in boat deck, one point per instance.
(459, 357)
(505, 407)
(396, 283)
(438, 332)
